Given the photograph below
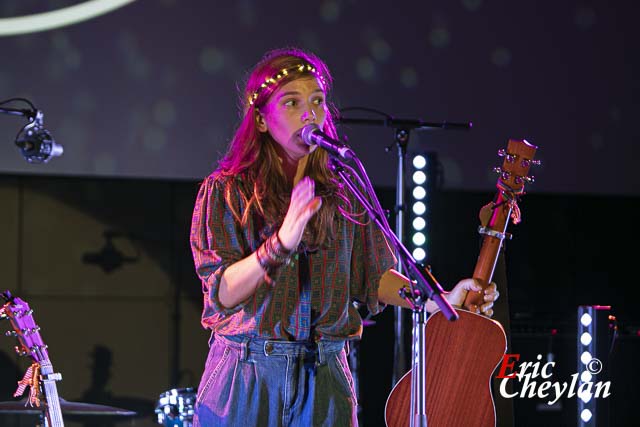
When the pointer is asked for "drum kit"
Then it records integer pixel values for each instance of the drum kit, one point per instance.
(175, 407)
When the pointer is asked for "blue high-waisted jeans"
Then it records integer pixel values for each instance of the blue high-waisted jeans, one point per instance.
(257, 382)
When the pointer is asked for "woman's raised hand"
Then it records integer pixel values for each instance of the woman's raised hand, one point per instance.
(303, 205)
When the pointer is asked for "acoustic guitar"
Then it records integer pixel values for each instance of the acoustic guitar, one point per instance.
(40, 377)
(461, 356)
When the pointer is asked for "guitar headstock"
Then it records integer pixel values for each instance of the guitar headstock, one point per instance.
(25, 329)
(518, 158)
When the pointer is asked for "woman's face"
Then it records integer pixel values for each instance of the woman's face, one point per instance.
(291, 107)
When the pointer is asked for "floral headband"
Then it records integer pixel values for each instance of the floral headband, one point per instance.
(270, 81)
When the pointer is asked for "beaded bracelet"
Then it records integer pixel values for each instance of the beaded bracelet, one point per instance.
(277, 250)
(263, 260)
(272, 254)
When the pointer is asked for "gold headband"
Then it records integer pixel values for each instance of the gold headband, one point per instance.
(269, 81)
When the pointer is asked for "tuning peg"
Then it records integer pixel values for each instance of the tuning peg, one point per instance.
(528, 162)
(24, 313)
(527, 179)
(20, 351)
(11, 334)
(503, 153)
(503, 174)
(35, 349)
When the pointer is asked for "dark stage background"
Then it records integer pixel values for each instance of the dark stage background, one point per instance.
(149, 90)
(143, 99)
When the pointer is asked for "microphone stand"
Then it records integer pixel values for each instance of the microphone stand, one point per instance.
(415, 298)
(407, 124)
(423, 285)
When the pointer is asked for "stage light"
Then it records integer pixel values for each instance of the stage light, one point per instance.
(419, 177)
(585, 338)
(419, 223)
(419, 193)
(422, 181)
(594, 339)
(419, 208)
(585, 357)
(585, 396)
(419, 239)
(419, 161)
(586, 415)
(419, 254)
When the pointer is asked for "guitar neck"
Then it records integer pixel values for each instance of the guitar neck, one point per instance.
(486, 264)
(491, 243)
(49, 378)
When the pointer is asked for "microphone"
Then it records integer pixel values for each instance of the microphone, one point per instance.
(36, 143)
(312, 135)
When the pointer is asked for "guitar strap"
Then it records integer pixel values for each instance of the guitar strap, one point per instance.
(30, 380)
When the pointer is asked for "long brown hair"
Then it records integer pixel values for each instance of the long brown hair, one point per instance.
(252, 157)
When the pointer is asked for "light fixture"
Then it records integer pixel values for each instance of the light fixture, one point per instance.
(422, 172)
(594, 339)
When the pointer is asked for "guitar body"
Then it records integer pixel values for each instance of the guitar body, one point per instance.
(460, 357)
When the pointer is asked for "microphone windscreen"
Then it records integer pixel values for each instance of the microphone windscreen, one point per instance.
(307, 133)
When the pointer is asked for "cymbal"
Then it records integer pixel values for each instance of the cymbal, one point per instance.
(70, 408)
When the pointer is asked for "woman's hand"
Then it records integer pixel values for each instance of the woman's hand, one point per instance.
(458, 294)
(303, 205)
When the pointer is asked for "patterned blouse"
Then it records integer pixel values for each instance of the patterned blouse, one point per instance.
(312, 297)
